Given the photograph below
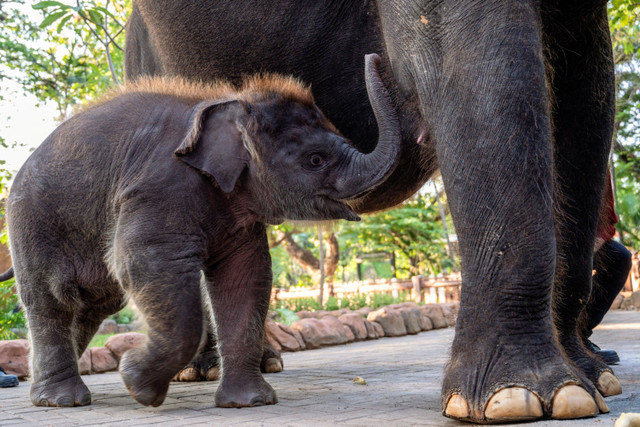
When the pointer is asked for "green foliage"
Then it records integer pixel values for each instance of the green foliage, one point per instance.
(625, 34)
(99, 340)
(9, 319)
(356, 301)
(124, 316)
(332, 304)
(299, 304)
(69, 53)
(381, 299)
(353, 302)
(413, 231)
(286, 316)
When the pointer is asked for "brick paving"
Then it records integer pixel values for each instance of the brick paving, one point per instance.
(316, 389)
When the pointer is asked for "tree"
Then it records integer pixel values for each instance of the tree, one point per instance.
(63, 53)
(413, 231)
(303, 254)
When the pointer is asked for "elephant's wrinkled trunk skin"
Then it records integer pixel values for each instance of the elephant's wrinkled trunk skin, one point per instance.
(365, 171)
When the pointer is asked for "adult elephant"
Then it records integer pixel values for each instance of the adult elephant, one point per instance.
(513, 101)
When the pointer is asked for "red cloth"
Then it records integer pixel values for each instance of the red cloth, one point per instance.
(608, 218)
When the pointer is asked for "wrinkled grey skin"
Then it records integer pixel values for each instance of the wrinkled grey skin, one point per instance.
(512, 100)
(164, 198)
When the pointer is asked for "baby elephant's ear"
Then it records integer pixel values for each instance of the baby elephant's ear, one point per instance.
(213, 143)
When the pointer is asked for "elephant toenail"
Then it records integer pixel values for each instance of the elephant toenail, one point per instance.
(604, 409)
(608, 384)
(572, 401)
(513, 404)
(457, 407)
(258, 401)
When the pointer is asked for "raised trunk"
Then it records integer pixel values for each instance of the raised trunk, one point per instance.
(362, 172)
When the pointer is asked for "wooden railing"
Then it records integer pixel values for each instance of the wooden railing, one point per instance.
(423, 289)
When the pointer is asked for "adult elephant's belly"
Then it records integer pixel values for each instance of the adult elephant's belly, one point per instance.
(325, 50)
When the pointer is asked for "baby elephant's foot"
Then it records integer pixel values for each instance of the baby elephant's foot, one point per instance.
(144, 385)
(271, 362)
(243, 391)
(55, 391)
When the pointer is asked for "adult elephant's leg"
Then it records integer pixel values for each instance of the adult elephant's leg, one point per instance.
(480, 75)
(579, 53)
(240, 288)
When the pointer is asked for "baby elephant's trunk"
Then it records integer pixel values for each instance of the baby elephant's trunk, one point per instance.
(366, 171)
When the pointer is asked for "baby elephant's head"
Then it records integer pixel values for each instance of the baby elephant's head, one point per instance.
(298, 166)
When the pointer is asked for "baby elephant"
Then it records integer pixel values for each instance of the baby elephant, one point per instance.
(161, 193)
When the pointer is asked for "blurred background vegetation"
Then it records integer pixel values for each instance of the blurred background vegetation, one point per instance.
(65, 53)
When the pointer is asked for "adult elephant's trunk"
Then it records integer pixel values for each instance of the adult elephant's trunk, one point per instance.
(365, 171)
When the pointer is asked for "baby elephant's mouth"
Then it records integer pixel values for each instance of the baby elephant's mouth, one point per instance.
(338, 209)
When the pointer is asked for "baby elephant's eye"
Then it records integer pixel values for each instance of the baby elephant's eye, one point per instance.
(316, 160)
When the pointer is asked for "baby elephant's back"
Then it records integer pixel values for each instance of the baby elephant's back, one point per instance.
(64, 183)
(62, 199)
(73, 175)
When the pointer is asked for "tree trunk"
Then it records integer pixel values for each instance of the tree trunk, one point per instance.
(305, 258)
(332, 256)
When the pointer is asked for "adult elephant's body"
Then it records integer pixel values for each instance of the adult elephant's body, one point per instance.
(512, 100)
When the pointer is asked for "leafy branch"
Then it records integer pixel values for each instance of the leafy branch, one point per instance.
(95, 17)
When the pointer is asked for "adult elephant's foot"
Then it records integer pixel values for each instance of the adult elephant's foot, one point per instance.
(595, 369)
(60, 390)
(531, 384)
(205, 367)
(146, 386)
(238, 392)
(188, 374)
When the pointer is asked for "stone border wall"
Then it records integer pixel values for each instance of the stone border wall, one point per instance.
(314, 330)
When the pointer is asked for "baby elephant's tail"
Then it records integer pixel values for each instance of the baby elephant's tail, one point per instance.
(7, 274)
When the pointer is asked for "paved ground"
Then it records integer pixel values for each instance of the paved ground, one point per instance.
(316, 389)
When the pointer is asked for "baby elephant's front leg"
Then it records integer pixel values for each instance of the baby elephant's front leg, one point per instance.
(240, 288)
(162, 276)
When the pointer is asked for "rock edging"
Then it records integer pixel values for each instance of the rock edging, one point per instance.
(313, 330)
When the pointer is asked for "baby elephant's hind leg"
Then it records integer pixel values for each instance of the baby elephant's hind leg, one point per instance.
(87, 321)
(54, 362)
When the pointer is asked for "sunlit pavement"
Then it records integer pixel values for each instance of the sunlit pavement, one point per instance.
(316, 388)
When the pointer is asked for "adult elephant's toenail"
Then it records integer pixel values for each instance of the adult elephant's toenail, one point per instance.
(572, 401)
(608, 384)
(457, 407)
(213, 374)
(601, 403)
(513, 404)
